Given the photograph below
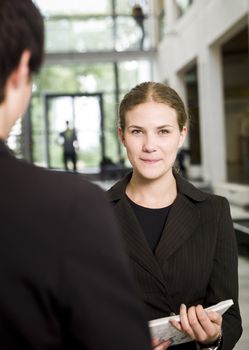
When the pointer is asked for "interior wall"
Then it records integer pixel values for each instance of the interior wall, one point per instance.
(236, 93)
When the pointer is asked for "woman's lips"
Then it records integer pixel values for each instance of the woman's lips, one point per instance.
(150, 161)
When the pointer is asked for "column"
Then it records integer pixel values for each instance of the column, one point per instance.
(153, 24)
(171, 14)
(212, 115)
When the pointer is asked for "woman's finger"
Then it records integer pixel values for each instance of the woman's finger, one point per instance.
(159, 344)
(200, 323)
(186, 328)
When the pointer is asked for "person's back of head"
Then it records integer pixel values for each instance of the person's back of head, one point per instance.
(21, 28)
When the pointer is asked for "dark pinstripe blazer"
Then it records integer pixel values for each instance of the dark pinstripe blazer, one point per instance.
(195, 260)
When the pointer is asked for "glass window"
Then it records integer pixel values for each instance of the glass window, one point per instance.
(96, 77)
(83, 114)
(79, 27)
(70, 35)
(123, 7)
(132, 73)
(85, 78)
(38, 130)
(110, 127)
(129, 34)
(87, 124)
(60, 109)
(88, 78)
(56, 7)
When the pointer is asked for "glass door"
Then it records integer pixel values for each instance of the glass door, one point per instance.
(74, 124)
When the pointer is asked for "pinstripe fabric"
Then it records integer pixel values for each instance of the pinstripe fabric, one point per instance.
(195, 260)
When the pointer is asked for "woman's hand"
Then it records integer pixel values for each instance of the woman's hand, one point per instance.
(158, 344)
(201, 326)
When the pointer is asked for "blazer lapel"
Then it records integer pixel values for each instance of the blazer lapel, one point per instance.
(138, 247)
(182, 221)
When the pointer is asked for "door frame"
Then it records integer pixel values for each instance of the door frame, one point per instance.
(49, 96)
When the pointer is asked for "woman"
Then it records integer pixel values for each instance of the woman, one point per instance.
(180, 241)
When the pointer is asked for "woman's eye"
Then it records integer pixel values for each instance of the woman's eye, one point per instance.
(136, 131)
(163, 131)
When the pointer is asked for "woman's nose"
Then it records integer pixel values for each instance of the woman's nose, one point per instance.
(149, 144)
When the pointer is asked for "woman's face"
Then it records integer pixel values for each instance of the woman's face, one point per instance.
(152, 138)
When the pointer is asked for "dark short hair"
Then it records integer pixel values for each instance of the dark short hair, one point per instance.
(21, 27)
(157, 92)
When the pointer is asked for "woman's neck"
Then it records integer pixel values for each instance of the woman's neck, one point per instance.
(157, 193)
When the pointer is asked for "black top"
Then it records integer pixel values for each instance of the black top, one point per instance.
(152, 222)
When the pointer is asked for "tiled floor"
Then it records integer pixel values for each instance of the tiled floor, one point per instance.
(243, 343)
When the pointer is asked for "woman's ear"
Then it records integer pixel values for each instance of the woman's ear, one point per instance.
(183, 134)
(121, 136)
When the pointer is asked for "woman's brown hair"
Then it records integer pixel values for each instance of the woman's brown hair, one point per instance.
(157, 92)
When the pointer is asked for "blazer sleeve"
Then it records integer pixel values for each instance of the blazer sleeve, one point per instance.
(224, 279)
(99, 301)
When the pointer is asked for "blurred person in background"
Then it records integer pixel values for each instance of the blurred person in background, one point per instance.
(180, 240)
(64, 278)
(139, 17)
(69, 142)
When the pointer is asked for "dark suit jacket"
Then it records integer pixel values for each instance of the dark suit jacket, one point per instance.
(195, 261)
(64, 280)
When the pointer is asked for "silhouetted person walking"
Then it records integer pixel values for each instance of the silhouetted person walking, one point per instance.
(69, 139)
(139, 17)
